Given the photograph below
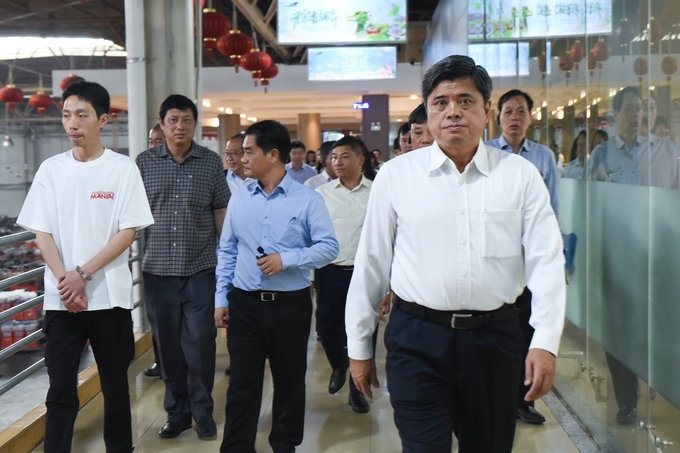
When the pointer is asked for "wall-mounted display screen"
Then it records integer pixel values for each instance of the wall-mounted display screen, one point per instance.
(501, 59)
(352, 63)
(506, 19)
(341, 21)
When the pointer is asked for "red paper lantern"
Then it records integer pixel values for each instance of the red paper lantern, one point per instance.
(566, 64)
(68, 80)
(269, 73)
(11, 95)
(624, 34)
(592, 62)
(40, 101)
(601, 50)
(542, 64)
(669, 66)
(256, 61)
(234, 45)
(576, 53)
(215, 25)
(114, 111)
(640, 66)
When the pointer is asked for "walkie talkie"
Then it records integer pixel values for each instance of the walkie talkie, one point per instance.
(262, 254)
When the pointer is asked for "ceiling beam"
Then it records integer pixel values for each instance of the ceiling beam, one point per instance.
(270, 12)
(254, 16)
(50, 10)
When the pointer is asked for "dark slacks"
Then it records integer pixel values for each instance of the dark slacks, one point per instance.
(332, 283)
(443, 381)
(278, 330)
(523, 303)
(113, 345)
(625, 383)
(182, 316)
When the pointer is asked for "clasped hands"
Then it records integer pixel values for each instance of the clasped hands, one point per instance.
(71, 288)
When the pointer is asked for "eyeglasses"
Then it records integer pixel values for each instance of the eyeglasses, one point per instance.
(156, 141)
(231, 155)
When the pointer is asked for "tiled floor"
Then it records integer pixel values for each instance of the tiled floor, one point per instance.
(330, 424)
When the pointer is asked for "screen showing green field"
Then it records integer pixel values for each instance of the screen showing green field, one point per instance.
(341, 22)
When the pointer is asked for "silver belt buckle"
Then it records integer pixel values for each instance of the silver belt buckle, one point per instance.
(456, 316)
(264, 298)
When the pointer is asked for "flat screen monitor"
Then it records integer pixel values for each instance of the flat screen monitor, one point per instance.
(507, 19)
(351, 63)
(309, 22)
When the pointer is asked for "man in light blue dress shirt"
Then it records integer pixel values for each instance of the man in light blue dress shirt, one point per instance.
(275, 232)
(297, 168)
(515, 118)
(233, 153)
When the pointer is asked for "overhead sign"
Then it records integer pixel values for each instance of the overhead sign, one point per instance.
(361, 106)
(307, 22)
(352, 63)
(505, 19)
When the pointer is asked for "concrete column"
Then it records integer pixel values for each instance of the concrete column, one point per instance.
(169, 34)
(375, 122)
(229, 126)
(136, 77)
(309, 130)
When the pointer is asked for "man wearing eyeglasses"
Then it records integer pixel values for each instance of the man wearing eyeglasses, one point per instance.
(235, 174)
(156, 136)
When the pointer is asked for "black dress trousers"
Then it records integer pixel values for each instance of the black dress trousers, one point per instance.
(259, 330)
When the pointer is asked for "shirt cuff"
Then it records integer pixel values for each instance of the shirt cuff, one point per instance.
(221, 300)
(360, 350)
(546, 339)
(288, 259)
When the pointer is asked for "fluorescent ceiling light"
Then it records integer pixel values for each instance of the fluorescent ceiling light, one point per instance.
(20, 47)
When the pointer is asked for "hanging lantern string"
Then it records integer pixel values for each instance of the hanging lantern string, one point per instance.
(235, 17)
(255, 46)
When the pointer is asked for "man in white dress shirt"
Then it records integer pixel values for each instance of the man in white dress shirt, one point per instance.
(235, 174)
(457, 229)
(346, 199)
(327, 174)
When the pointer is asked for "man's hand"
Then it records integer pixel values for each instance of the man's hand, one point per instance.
(78, 304)
(222, 317)
(363, 373)
(540, 373)
(70, 285)
(270, 264)
(385, 307)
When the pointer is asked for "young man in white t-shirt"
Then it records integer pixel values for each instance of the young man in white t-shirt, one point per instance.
(84, 206)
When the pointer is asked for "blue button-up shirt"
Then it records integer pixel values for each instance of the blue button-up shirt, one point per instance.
(303, 174)
(292, 221)
(542, 158)
(652, 161)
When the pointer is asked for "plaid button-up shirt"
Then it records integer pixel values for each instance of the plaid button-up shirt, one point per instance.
(182, 197)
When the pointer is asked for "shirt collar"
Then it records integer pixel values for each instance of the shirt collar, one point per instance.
(283, 187)
(480, 158)
(162, 151)
(619, 143)
(363, 183)
(326, 176)
(505, 146)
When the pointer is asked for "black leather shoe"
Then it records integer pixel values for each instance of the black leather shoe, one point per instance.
(626, 415)
(174, 429)
(338, 378)
(358, 402)
(528, 414)
(206, 429)
(153, 371)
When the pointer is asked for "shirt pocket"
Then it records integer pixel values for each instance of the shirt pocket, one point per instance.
(502, 233)
(293, 234)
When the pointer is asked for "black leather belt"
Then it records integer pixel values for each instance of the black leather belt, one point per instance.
(344, 268)
(464, 319)
(270, 296)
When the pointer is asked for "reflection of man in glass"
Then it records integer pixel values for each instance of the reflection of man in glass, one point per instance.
(632, 159)
(575, 169)
(628, 157)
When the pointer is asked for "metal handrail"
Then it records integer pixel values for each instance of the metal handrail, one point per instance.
(27, 305)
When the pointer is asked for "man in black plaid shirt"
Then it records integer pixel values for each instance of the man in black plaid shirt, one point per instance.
(188, 196)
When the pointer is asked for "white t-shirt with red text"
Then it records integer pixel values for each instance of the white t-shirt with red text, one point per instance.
(83, 205)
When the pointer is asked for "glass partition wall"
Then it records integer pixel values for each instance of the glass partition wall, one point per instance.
(606, 70)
